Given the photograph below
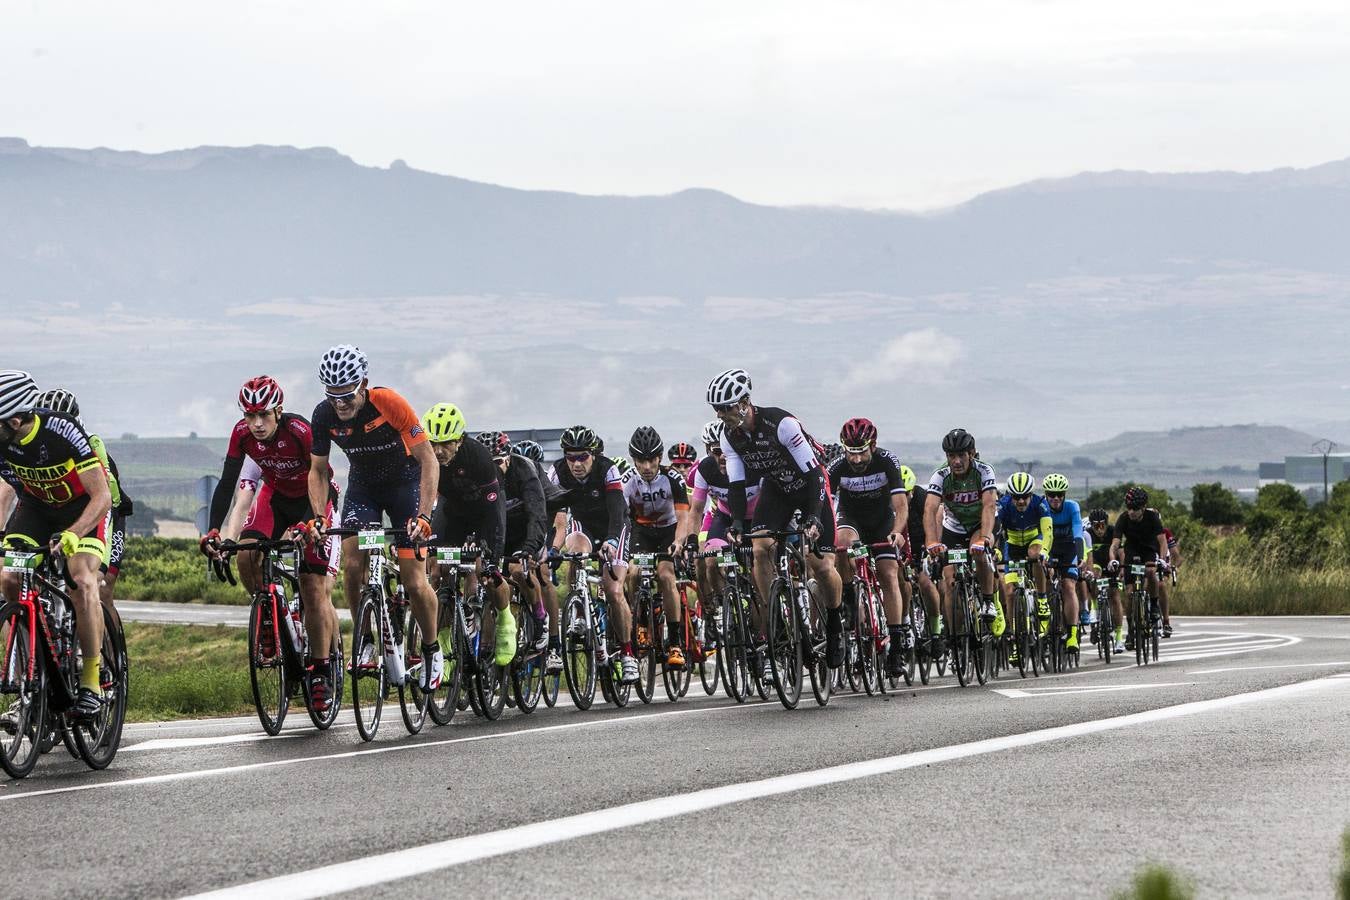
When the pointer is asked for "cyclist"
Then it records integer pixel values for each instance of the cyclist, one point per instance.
(960, 511)
(1139, 535)
(683, 458)
(710, 481)
(526, 531)
(64, 504)
(1170, 564)
(279, 443)
(874, 509)
(471, 508)
(1067, 549)
(1102, 534)
(593, 494)
(62, 401)
(1029, 534)
(393, 471)
(658, 505)
(768, 446)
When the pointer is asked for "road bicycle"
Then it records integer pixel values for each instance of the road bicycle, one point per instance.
(796, 633)
(40, 670)
(971, 642)
(1145, 617)
(739, 677)
(590, 653)
(386, 640)
(467, 621)
(1021, 636)
(278, 644)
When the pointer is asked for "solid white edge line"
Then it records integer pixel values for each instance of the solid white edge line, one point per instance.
(399, 864)
(1311, 665)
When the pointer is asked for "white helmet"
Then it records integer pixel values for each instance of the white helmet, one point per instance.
(712, 432)
(729, 387)
(18, 393)
(342, 365)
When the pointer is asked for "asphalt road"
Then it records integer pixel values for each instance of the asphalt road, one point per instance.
(1228, 760)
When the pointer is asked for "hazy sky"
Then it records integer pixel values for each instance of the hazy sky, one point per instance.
(882, 104)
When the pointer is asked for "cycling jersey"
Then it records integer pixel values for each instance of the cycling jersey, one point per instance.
(471, 499)
(1101, 545)
(866, 495)
(1140, 538)
(249, 475)
(526, 507)
(1067, 548)
(596, 503)
(283, 460)
(1030, 526)
(114, 485)
(775, 449)
(711, 481)
(1171, 540)
(917, 497)
(962, 496)
(378, 440)
(656, 503)
(45, 464)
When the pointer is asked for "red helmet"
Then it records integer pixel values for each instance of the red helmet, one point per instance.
(858, 433)
(683, 452)
(260, 394)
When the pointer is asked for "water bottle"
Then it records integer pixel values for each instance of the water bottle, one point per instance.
(295, 626)
(56, 612)
(393, 661)
(698, 628)
(602, 629)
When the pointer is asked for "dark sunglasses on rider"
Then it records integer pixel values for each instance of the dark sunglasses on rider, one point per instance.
(714, 451)
(1054, 495)
(577, 457)
(342, 399)
(726, 407)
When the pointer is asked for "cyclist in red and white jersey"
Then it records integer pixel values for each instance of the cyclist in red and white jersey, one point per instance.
(279, 444)
(768, 446)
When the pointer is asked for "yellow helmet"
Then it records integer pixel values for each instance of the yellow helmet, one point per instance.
(443, 422)
(907, 478)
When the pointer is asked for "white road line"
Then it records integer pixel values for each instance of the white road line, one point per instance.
(1254, 668)
(1023, 693)
(185, 743)
(369, 751)
(386, 867)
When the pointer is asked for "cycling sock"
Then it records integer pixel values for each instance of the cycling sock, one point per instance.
(554, 642)
(319, 664)
(835, 616)
(433, 647)
(628, 649)
(89, 678)
(673, 633)
(850, 592)
(896, 630)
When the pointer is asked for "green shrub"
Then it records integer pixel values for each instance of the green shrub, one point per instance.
(1156, 882)
(1214, 504)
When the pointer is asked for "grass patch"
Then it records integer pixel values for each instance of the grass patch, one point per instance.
(184, 671)
(1221, 587)
(1157, 882)
(173, 570)
(1343, 877)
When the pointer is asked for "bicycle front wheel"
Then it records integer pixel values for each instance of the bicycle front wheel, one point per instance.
(369, 679)
(99, 740)
(24, 694)
(450, 636)
(785, 644)
(489, 679)
(413, 702)
(578, 653)
(266, 665)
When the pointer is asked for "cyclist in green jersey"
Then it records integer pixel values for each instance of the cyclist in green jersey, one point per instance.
(960, 511)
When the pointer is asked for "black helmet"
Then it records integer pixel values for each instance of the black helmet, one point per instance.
(958, 440)
(578, 437)
(1136, 498)
(58, 400)
(530, 450)
(1097, 515)
(645, 443)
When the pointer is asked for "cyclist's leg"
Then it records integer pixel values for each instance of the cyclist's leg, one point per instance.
(117, 543)
(360, 509)
(844, 564)
(772, 513)
(612, 579)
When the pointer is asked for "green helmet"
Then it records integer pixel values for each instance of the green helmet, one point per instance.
(1020, 484)
(1054, 483)
(443, 422)
(907, 478)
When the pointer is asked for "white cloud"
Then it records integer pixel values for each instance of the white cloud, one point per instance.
(208, 415)
(458, 377)
(916, 356)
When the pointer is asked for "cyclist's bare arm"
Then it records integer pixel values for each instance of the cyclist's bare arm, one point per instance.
(318, 483)
(932, 519)
(431, 476)
(95, 482)
(9, 498)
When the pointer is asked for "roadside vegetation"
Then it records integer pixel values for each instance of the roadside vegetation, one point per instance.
(1157, 882)
(182, 671)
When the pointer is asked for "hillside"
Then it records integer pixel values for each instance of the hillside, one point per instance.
(1227, 445)
(235, 225)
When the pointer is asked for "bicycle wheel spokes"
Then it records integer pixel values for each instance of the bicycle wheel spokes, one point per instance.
(785, 647)
(450, 636)
(266, 665)
(368, 669)
(489, 679)
(323, 721)
(646, 643)
(735, 674)
(98, 741)
(578, 656)
(23, 696)
(413, 702)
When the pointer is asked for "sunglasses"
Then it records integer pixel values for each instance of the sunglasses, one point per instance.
(1055, 495)
(576, 457)
(725, 407)
(857, 449)
(342, 399)
(714, 451)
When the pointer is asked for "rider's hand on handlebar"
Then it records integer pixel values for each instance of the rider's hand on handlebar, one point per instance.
(610, 550)
(210, 544)
(937, 548)
(420, 527)
(67, 543)
(1113, 566)
(811, 529)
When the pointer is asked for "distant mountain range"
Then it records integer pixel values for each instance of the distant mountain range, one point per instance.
(234, 225)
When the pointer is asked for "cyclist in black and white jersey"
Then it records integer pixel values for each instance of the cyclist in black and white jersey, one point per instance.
(768, 446)
(658, 506)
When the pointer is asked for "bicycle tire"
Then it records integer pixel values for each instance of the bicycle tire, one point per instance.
(450, 637)
(709, 649)
(98, 743)
(735, 668)
(267, 677)
(819, 671)
(489, 679)
(366, 631)
(785, 647)
(646, 640)
(578, 653)
(335, 678)
(869, 674)
(552, 685)
(413, 702)
(17, 762)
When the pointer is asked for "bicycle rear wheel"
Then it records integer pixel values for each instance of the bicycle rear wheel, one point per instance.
(450, 636)
(961, 637)
(323, 721)
(822, 676)
(98, 741)
(369, 680)
(785, 646)
(578, 653)
(266, 664)
(22, 692)
(869, 672)
(413, 702)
